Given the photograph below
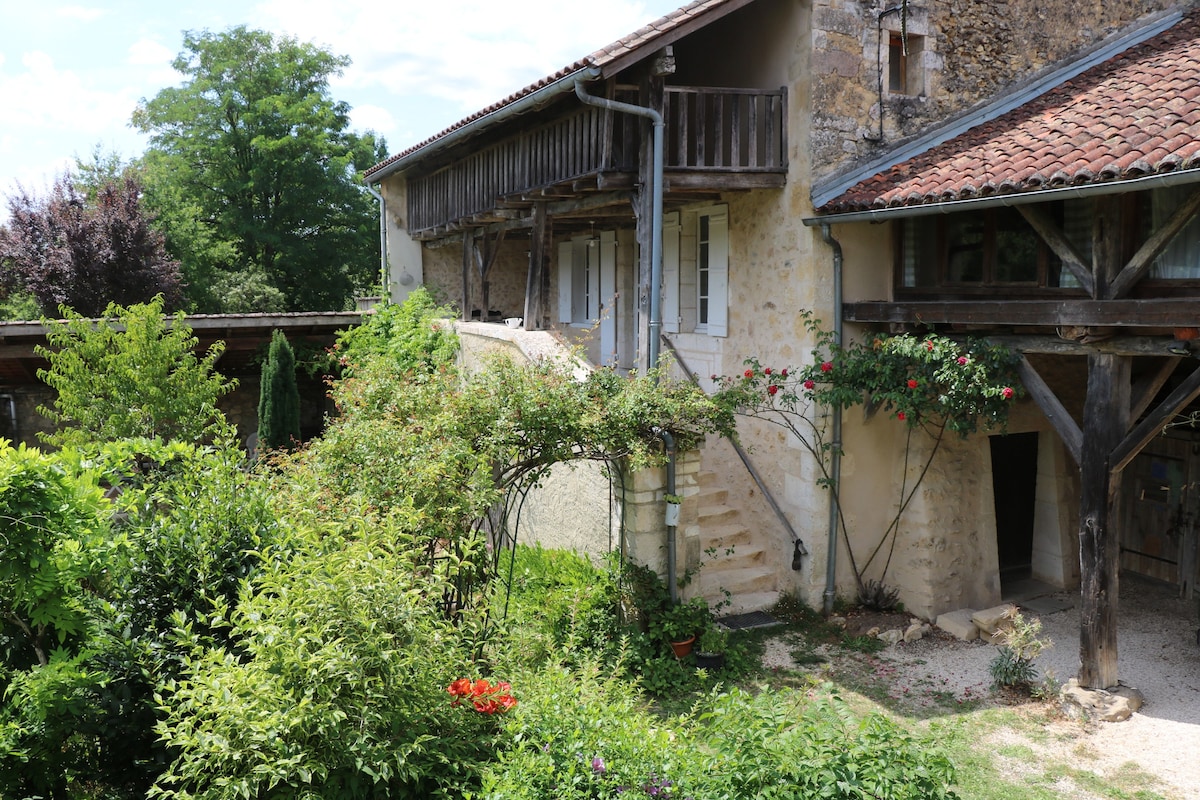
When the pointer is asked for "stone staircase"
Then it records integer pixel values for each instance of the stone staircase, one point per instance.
(735, 559)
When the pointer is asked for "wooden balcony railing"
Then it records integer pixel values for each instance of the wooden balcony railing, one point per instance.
(707, 130)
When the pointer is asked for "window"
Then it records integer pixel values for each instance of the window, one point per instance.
(586, 277)
(995, 247)
(1180, 260)
(904, 72)
(696, 271)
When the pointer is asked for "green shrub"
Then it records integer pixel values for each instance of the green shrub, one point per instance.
(1013, 665)
(278, 397)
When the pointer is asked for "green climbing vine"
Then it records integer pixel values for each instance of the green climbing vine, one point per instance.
(933, 384)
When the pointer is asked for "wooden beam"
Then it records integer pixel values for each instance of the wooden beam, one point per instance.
(1146, 389)
(1143, 259)
(1159, 312)
(467, 247)
(1154, 423)
(1064, 424)
(1051, 345)
(534, 300)
(1105, 418)
(1053, 236)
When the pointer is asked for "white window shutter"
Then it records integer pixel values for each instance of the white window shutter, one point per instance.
(565, 271)
(594, 252)
(670, 273)
(718, 274)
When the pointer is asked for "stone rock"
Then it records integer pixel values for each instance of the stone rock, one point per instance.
(891, 637)
(837, 622)
(994, 623)
(915, 631)
(1115, 704)
(875, 631)
(959, 625)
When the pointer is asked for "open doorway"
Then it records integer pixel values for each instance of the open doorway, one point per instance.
(1014, 487)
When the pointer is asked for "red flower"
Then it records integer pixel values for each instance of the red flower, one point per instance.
(929, 345)
(808, 384)
(767, 371)
(900, 415)
(459, 688)
(784, 372)
(713, 376)
(912, 383)
(962, 360)
(749, 373)
(1007, 393)
(772, 389)
(826, 366)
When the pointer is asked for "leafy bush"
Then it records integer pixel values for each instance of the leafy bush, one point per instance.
(129, 375)
(279, 397)
(1014, 665)
(337, 688)
(416, 335)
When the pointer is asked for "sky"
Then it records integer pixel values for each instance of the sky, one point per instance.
(72, 73)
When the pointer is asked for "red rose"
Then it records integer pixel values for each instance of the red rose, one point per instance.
(772, 389)
(784, 372)
(962, 360)
(912, 383)
(1007, 393)
(826, 366)
(767, 371)
(900, 415)
(929, 345)
(809, 384)
(749, 373)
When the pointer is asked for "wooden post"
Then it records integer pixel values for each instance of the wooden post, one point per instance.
(535, 301)
(467, 247)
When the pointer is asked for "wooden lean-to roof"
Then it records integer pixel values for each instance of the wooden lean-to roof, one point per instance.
(1134, 116)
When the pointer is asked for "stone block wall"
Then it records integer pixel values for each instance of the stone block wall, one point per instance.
(968, 52)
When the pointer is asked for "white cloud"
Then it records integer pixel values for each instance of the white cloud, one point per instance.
(81, 13)
(372, 117)
(469, 52)
(147, 52)
(44, 96)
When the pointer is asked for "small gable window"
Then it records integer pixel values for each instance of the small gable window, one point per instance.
(904, 59)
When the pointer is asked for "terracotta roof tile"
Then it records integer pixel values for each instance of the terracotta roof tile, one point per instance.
(1136, 114)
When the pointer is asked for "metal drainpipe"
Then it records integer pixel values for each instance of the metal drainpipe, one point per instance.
(672, 555)
(835, 466)
(655, 324)
(656, 210)
(383, 253)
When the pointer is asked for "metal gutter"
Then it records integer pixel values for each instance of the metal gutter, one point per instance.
(523, 104)
(1014, 199)
(835, 444)
(825, 192)
(384, 283)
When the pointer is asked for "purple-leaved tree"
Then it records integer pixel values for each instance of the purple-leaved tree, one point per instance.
(68, 250)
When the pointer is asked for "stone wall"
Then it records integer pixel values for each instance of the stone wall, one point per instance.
(967, 53)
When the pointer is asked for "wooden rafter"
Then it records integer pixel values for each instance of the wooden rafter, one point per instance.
(1159, 312)
(1145, 390)
(1068, 430)
(1057, 241)
(1143, 259)
(1154, 422)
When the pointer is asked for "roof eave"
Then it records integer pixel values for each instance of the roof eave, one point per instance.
(528, 102)
(1159, 180)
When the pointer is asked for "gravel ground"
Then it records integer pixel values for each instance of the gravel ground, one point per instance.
(1157, 654)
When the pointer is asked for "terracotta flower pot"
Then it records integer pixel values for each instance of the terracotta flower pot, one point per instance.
(683, 647)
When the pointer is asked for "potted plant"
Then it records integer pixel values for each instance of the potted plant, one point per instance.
(680, 624)
(710, 648)
(673, 502)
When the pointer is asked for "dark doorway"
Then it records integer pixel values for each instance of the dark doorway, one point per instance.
(1014, 485)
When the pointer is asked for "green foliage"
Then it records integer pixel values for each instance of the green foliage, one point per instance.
(254, 172)
(279, 397)
(1013, 666)
(337, 688)
(53, 541)
(878, 596)
(129, 375)
(415, 335)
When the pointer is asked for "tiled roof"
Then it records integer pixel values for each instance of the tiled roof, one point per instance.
(641, 38)
(1135, 115)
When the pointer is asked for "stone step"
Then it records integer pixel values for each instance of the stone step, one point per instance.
(712, 495)
(713, 582)
(750, 601)
(710, 513)
(722, 537)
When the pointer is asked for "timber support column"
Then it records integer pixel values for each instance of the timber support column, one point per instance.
(1106, 418)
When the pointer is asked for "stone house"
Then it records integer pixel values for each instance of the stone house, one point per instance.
(1018, 170)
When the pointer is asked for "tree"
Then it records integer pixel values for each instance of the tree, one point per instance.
(69, 249)
(278, 397)
(252, 145)
(131, 375)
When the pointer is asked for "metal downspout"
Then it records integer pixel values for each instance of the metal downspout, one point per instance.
(655, 324)
(385, 284)
(835, 466)
(656, 210)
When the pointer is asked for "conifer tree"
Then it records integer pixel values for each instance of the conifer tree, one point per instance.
(279, 397)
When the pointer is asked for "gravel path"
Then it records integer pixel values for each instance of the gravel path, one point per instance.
(1157, 654)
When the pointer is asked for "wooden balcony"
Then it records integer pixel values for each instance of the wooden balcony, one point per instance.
(715, 139)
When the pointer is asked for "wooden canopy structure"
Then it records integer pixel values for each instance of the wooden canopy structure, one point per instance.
(1106, 143)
